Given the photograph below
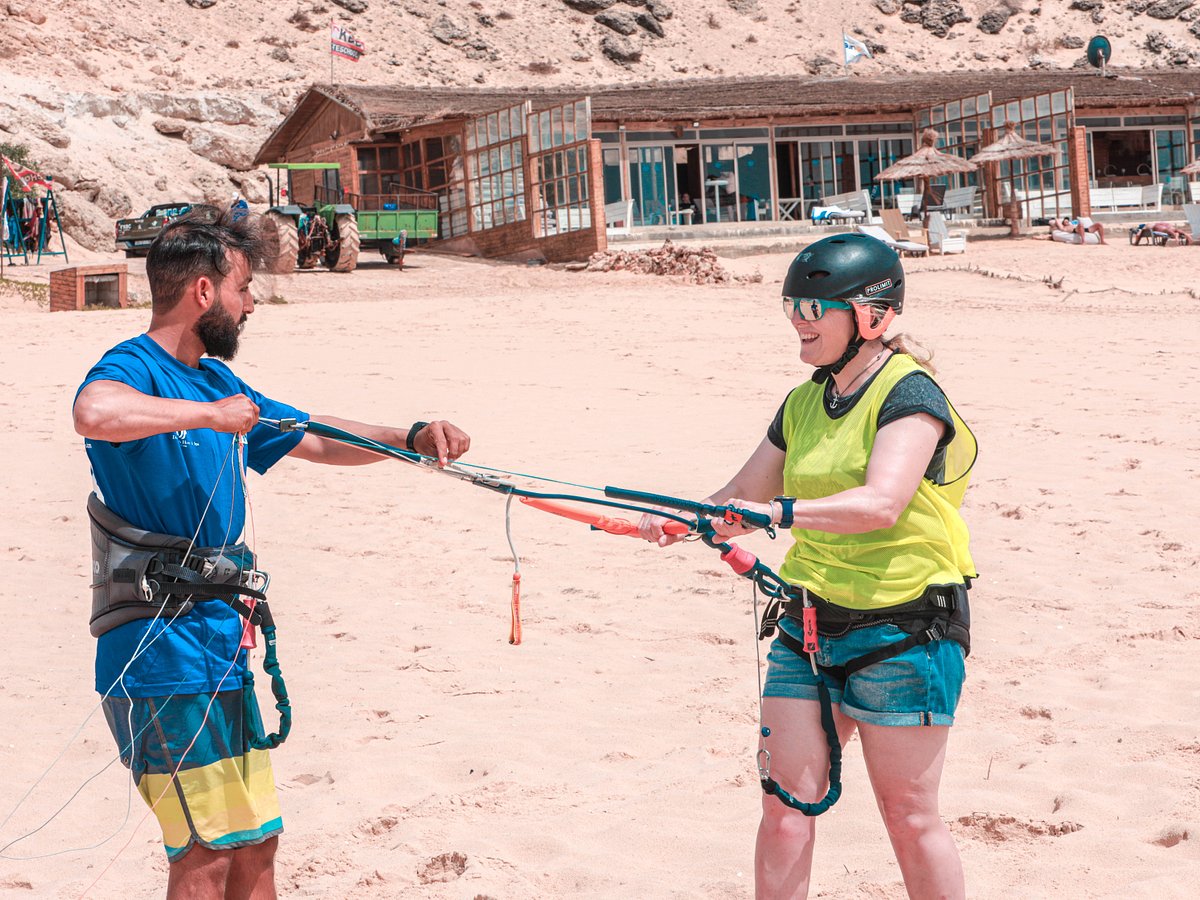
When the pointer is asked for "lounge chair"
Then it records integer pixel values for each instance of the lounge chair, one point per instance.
(942, 239)
(894, 224)
(1159, 238)
(880, 234)
(839, 207)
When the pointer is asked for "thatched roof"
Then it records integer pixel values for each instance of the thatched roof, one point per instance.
(927, 162)
(1012, 146)
(385, 108)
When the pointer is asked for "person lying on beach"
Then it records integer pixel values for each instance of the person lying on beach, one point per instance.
(169, 431)
(1147, 232)
(1083, 226)
(875, 461)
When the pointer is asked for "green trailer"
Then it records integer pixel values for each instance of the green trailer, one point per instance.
(336, 225)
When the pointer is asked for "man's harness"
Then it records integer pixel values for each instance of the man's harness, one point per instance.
(137, 574)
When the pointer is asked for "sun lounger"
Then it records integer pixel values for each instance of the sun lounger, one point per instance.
(1160, 238)
(854, 205)
(894, 225)
(1072, 237)
(878, 232)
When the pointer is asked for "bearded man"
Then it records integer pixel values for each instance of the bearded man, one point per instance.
(169, 431)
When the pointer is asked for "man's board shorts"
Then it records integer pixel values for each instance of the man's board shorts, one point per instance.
(921, 686)
(192, 762)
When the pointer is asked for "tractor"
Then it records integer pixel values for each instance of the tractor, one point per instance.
(330, 232)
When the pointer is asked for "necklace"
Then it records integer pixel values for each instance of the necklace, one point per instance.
(837, 397)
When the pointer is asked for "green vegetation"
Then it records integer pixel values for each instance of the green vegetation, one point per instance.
(30, 291)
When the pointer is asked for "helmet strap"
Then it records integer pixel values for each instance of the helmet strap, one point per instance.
(824, 373)
(869, 324)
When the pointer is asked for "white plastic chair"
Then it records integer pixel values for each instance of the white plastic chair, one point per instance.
(942, 239)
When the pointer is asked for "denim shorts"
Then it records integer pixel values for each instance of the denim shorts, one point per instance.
(919, 687)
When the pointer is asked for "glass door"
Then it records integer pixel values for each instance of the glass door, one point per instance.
(1170, 155)
(720, 189)
(826, 168)
(652, 183)
(754, 182)
(873, 157)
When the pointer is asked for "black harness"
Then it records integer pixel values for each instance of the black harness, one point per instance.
(942, 612)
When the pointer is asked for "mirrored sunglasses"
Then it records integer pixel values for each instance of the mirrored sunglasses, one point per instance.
(810, 309)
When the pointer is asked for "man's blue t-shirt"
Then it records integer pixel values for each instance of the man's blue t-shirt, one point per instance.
(175, 484)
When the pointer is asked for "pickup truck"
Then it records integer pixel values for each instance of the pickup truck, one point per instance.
(134, 236)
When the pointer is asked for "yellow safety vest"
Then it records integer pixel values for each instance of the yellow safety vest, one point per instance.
(928, 545)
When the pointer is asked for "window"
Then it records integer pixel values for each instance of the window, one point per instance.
(495, 167)
(558, 149)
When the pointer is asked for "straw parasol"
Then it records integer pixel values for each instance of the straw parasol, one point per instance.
(1191, 168)
(928, 162)
(1010, 147)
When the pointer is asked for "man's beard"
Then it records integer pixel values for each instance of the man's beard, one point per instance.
(219, 332)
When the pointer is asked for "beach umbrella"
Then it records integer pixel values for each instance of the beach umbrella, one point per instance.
(1012, 147)
(926, 163)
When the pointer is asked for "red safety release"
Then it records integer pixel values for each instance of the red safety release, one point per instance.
(810, 629)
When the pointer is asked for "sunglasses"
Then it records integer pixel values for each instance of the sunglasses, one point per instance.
(810, 309)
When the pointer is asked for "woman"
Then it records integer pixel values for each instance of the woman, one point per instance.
(873, 461)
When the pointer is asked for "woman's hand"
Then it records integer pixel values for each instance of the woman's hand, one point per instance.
(651, 528)
(740, 529)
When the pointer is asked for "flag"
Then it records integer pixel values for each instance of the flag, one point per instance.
(854, 49)
(4, 210)
(343, 43)
(26, 177)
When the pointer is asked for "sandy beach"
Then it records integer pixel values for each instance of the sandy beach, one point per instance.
(612, 753)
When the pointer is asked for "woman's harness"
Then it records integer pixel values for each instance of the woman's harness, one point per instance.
(941, 612)
(138, 574)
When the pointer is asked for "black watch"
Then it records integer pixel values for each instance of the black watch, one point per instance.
(412, 434)
(787, 506)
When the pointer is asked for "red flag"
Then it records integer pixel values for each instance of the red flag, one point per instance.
(26, 177)
(343, 43)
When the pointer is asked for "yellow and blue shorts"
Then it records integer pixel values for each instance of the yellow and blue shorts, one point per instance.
(191, 759)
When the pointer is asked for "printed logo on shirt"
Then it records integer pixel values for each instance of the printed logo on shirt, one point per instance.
(182, 437)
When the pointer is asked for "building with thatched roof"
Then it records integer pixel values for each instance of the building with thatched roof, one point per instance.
(516, 170)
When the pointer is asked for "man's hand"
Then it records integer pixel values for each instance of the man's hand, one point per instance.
(234, 415)
(442, 439)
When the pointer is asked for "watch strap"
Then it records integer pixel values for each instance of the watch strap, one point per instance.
(412, 434)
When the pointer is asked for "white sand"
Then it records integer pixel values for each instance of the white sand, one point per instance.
(612, 754)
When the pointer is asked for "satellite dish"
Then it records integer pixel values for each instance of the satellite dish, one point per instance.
(1099, 51)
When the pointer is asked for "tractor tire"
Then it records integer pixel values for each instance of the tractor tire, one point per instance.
(345, 258)
(283, 243)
